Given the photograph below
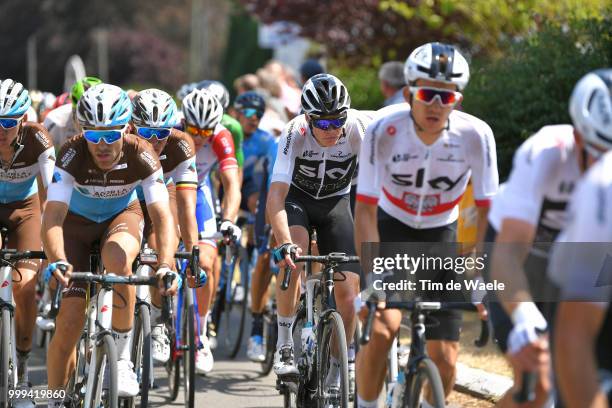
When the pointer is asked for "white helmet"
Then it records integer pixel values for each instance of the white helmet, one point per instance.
(591, 110)
(202, 109)
(14, 98)
(437, 62)
(324, 94)
(104, 105)
(217, 89)
(154, 108)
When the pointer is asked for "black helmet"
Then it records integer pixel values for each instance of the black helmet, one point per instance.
(324, 95)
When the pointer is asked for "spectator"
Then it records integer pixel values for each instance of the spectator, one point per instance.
(391, 77)
(291, 93)
(245, 83)
(310, 68)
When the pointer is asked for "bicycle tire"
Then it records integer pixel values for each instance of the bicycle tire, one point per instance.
(5, 356)
(188, 336)
(331, 323)
(106, 355)
(426, 373)
(270, 336)
(233, 335)
(78, 374)
(141, 355)
(173, 369)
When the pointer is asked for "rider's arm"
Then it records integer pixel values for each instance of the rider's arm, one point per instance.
(223, 146)
(52, 232)
(485, 177)
(519, 206)
(366, 228)
(186, 181)
(368, 190)
(275, 209)
(513, 243)
(156, 198)
(577, 328)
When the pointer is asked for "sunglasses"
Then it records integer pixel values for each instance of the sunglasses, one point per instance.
(9, 123)
(109, 136)
(196, 131)
(250, 112)
(150, 132)
(325, 124)
(428, 95)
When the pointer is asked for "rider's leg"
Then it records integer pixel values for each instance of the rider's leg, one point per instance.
(287, 299)
(25, 235)
(371, 359)
(119, 249)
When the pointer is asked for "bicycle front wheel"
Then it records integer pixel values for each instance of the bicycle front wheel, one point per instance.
(270, 335)
(141, 355)
(106, 359)
(426, 377)
(5, 356)
(332, 336)
(188, 336)
(236, 293)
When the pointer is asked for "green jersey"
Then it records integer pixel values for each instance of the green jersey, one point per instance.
(235, 129)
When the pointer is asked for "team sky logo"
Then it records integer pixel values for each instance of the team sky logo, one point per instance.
(417, 180)
(323, 177)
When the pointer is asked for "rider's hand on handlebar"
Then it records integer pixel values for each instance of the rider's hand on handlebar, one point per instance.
(283, 255)
(163, 272)
(55, 269)
(231, 229)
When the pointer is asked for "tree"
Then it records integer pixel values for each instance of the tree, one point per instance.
(360, 32)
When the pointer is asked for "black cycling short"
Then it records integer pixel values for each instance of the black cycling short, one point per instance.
(332, 219)
(535, 269)
(442, 324)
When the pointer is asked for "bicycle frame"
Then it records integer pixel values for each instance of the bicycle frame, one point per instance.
(100, 316)
(7, 302)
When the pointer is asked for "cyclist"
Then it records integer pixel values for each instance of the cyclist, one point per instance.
(222, 94)
(528, 213)
(202, 113)
(61, 121)
(27, 159)
(311, 181)
(583, 326)
(414, 167)
(250, 107)
(92, 198)
(153, 117)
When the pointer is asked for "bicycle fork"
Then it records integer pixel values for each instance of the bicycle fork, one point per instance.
(7, 302)
(100, 317)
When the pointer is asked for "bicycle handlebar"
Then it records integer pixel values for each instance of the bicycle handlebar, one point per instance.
(113, 279)
(10, 254)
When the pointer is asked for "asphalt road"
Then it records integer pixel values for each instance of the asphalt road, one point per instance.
(232, 383)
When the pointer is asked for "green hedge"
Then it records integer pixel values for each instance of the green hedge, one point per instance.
(362, 84)
(529, 87)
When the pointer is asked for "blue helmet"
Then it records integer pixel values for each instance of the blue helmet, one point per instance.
(14, 98)
(104, 105)
(250, 100)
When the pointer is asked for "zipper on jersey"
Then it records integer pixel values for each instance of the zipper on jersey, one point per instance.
(322, 173)
(419, 217)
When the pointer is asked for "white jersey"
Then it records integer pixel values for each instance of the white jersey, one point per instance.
(422, 185)
(583, 271)
(60, 125)
(318, 171)
(544, 172)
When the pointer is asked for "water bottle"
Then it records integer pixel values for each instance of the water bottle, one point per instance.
(307, 341)
(398, 390)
